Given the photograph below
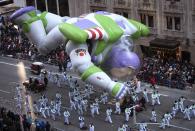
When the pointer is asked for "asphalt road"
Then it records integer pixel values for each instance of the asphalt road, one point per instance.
(9, 78)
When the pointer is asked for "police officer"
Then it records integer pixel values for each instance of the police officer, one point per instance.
(187, 113)
(153, 98)
(91, 127)
(193, 109)
(42, 110)
(153, 117)
(66, 117)
(108, 115)
(92, 109)
(157, 97)
(58, 107)
(35, 107)
(145, 94)
(143, 127)
(47, 109)
(96, 107)
(82, 122)
(117, 108)
(167, 117)
(72, 104)
(53, 113)
(84, 104)
(174, 110)
(127, 113)
(58, 96)
(163, 123)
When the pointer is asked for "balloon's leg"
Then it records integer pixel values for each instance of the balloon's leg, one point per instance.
(28, 13)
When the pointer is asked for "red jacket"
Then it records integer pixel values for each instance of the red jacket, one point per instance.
(153, 80)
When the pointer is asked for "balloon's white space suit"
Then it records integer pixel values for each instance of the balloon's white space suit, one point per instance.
(109, 35)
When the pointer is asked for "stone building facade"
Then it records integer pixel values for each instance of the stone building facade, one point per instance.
(166, 19)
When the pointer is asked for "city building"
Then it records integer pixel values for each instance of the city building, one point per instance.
(170, 21)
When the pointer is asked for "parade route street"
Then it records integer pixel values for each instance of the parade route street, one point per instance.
(9, 79)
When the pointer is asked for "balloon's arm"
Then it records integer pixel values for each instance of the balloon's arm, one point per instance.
(142, 30)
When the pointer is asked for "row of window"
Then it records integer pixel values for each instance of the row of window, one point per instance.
(52, 6)
(172, 22)
(123, 1)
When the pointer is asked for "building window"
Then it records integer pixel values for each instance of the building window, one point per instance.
(173, 23)
(193, 23)
(150, 21)
(147, 19)
(174, 0)
(64, 8)
(125, 14)
(117, 12)
(169, 22)
(97, 1)
(52, 6)
(177, 23)
(41, 5)
(96, 10)
(30, 2)
(121, 2)
(143, 18)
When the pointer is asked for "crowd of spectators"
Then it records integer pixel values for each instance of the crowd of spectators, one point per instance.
(171, 73)
(10, 121)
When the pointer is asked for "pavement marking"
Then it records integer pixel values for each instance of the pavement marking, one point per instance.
(183, 128)
(150, 92)
(1, 62)
(164, 95)
(14, 82)
(26, 67)
(148, 85)
(192, 100)
(58, 129)
(5, 91)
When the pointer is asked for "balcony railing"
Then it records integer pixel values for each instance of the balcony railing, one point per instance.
(122, 4)
(173, 6)
(147, 4)
(193, 34)
(98, 3)
(173, 33)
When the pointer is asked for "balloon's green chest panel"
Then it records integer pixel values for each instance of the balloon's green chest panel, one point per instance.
(97, 27)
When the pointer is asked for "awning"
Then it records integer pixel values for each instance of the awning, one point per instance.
(164, 43)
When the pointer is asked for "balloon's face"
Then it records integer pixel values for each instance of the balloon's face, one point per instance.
(121, 61)
(121, 72)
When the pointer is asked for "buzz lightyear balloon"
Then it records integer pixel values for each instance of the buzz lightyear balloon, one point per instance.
(109, 36)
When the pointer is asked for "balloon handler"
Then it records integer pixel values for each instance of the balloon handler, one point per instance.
(95, 42)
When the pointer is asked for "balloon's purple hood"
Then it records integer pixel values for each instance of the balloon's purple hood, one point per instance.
(121, 58)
